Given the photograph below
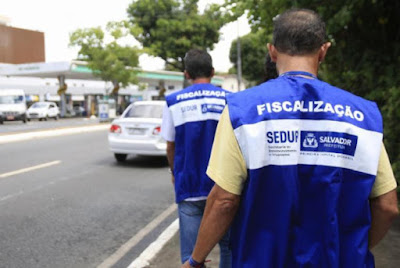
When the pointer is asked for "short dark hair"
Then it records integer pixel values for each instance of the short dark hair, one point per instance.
(298, 32)
(198, 64)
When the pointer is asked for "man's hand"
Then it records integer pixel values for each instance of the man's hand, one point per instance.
(173, 179)
(186, 265)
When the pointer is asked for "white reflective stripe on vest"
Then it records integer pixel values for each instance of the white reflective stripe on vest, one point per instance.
(191, 110)
(258, 152)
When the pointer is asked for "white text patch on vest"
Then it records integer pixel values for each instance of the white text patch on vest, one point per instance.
(310, 107)
(200, 93)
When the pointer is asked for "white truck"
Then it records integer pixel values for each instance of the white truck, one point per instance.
(12, 105)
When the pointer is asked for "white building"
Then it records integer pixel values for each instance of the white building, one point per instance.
(230, 82)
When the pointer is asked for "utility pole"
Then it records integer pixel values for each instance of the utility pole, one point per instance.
(61, 91)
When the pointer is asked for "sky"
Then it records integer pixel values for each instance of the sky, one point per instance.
(58, 18)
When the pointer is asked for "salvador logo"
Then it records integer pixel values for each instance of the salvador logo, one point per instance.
(310, 141)
(212, 108)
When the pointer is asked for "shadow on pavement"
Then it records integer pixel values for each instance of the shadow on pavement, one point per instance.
(139, 161)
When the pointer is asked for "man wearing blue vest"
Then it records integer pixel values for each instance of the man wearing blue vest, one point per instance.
(189, 123)
(300, 163)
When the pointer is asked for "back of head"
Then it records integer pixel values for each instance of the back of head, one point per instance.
(198, 64)
(298, 32)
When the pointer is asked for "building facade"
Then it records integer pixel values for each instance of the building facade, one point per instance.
(20, 45)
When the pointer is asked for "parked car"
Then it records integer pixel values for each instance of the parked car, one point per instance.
(137, 131)
(43, 110)
(12, 105)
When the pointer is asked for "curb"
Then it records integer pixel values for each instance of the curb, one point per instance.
(15, 137)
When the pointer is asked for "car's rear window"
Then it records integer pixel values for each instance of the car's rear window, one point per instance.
(39, 105)
(145, 111)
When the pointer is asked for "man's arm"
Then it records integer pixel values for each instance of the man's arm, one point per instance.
(168, 133)
(218, 215)
(170, 157)
(227, 168)
(383, 211)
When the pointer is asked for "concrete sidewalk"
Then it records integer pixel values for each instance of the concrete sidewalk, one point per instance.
(169, 257)
(387, 253)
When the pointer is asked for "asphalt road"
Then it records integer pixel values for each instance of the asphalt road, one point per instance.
(81, 206)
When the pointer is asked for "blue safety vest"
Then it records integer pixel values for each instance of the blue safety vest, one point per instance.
(195, 112)
(312, 152)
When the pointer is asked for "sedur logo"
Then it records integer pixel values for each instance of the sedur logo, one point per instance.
(289, 136)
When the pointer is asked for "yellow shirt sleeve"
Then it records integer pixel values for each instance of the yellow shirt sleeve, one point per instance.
(227, 166)
(385, 181)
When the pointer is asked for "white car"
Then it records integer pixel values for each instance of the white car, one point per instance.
(137, 131)
(43, 110)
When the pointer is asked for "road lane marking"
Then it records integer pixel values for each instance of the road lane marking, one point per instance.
(11, 196)
(24, 170)
(40, 187)
(154, 248)
(7, 138)
(125, 248)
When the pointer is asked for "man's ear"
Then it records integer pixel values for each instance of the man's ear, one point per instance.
(187, 76)
(272, 52)
(212, 73)
(323, 50)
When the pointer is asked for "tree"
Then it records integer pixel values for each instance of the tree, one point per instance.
(253, 51)
(364, 57)
(169, 28)
(110, 61)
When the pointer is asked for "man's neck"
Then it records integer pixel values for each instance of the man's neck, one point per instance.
(202, 80)
(286, 63)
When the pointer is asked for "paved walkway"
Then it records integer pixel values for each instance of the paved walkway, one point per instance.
(387, 253)
(169, 257)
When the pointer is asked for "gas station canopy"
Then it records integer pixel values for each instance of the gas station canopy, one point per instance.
(80, 70)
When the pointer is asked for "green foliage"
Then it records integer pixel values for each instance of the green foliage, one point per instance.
(110, 61)
(169, 28)
(172, 68)
(365, 53)
(253, 47)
